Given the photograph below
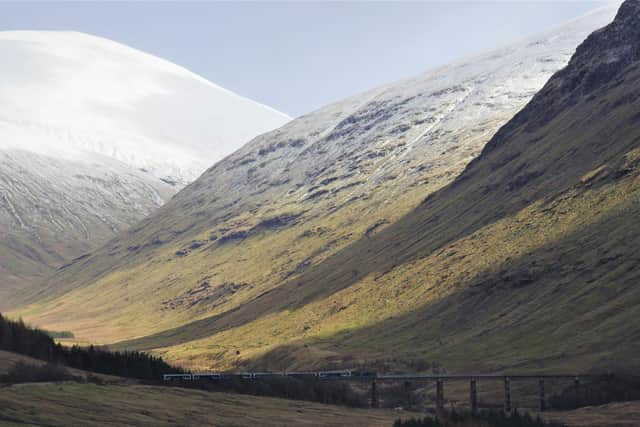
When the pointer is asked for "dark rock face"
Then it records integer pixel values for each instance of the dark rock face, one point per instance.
(597, 63)
(605, 53)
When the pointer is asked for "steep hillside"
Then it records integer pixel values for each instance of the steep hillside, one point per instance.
(529, 258)
(94, 136)
(300, 236)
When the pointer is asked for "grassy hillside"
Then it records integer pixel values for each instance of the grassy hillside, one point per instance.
(87, 404)
(19, 268)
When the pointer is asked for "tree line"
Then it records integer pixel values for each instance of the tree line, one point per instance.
(17, 337)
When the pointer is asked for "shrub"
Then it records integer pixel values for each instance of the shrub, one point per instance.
(23, 372)
(59, 334)
(482, 419)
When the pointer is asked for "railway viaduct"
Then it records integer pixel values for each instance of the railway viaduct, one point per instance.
(375, 379)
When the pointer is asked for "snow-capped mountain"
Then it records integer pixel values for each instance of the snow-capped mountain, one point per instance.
(68, 91)
(257, 223)
(94, 136)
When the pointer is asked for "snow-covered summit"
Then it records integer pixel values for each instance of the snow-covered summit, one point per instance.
(64, 92)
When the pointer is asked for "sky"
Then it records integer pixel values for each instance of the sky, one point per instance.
(298, 56)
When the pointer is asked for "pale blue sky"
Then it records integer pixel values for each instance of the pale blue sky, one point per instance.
(299, 56)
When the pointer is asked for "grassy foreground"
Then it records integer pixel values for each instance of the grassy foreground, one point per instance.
(624, 414)
(71, 404)
(78, 404)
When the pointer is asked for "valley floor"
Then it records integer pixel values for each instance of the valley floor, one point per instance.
(79, 404)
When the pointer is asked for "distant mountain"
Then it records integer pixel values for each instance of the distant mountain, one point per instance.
(94, 136)
(73, 91)
(277, 252)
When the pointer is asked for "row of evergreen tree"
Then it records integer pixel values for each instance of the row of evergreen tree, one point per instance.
(17, 337)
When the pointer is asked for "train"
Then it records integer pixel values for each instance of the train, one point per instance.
(177, 377)
(256, 375)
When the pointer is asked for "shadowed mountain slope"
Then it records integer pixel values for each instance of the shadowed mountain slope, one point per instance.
(292, 250)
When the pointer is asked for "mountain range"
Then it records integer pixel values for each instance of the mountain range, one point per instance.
(421, 221)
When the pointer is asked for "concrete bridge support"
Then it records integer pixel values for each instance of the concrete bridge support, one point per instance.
(507, 394)
(375, 401)
(543, 400)
(439, 396)
(407, 392)
(473, 396)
